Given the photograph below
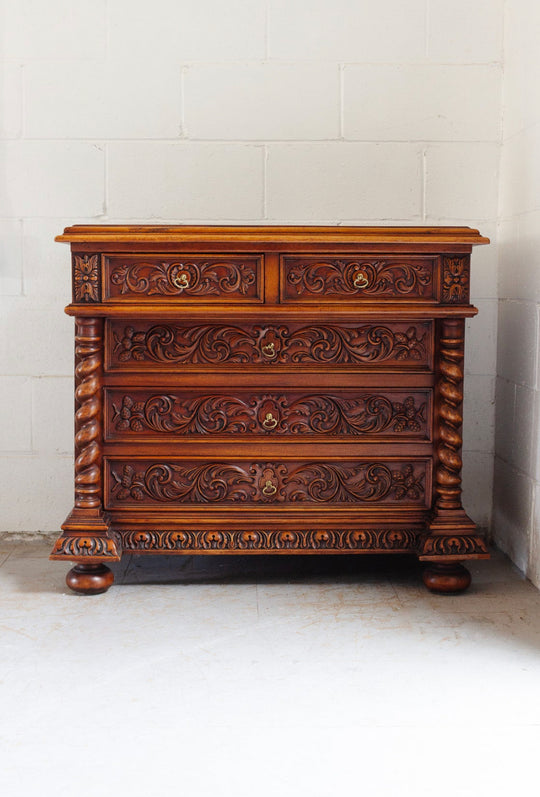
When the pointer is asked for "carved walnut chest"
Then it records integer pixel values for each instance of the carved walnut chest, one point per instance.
(269, 390)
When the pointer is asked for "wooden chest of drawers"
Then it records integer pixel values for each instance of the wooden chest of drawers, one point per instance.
(269, 389)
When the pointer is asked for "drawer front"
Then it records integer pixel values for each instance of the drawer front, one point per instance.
(360, 278)
(140, 483)
(161, 347)
(191, 278)
(397, 414)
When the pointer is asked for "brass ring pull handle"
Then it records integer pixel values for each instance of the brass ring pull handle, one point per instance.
(269, 422)
(269, 488)
(181, 281)
(269, 350)
(360, 281)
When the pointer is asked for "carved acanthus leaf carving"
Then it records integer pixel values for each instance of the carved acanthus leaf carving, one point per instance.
(88, 545)
(86, 278)
(319, 344)
(271, 414)
(189, 278)
(275, 483)
(358, 278)
(256, 540)
(452, 545)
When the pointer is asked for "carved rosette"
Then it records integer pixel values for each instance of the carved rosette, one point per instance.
(185, 541)
(357, 278)
(88, 415)
(455, 280)
(189, 278)
(318, 344)
(218, 482)
(449, 403)
(318, 414)
(86, 278)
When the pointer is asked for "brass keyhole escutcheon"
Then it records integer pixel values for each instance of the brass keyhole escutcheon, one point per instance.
(269, 350)
(360, 280)
(269, 488)
(181, 281)
(269, 422)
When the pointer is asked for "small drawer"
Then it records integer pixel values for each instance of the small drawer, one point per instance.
(141, 483)
(203, 278)
(384, 414)
(169, 346)
(356, 278)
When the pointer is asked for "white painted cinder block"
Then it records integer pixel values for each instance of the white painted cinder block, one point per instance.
(59, 29)
(461, 181)
(346, 30)
(525, 440)
(517, 346)
(51, 178)
(190, 30)
(15, 413)
(479, 412)
(422, 102)
(107, 99)
(46, 264)
(10, 99)
(262, 101)
(465, 31)
(343, 181)
(512, 512)
(520, 173)
(505, 404)
(52, 415)
(11, 272)
(477, 486)
(481, 339)
(484, 259)
(35, 341)
(185, 181)
(46, 495)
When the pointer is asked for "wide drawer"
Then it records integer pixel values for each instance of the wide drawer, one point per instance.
(400, 345)
(190, 278)
(382, 413)
(357, 278)
(135, 482)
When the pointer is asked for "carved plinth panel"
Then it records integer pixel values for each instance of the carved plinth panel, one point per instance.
(209, 277)
(460, 545)
(86, 278)
(328, 278)
(237, 482)
(402, 344)
(191, 541)
(142, 412)
(455, 280)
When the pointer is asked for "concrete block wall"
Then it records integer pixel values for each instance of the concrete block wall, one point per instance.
(288, 111)
(517, 463)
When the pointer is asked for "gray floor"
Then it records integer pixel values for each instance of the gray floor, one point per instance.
(266, 676)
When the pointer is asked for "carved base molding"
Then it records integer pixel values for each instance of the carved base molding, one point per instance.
(327, 540)
(452, 547)
(88, 547)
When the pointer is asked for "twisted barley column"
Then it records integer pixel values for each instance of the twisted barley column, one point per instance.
(88, 416)
(450, 414)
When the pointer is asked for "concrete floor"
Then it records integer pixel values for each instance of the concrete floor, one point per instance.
(285, 676)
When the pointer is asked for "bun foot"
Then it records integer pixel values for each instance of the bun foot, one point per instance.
(89, 579)
(446, 578)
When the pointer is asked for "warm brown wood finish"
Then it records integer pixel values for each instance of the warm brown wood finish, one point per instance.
(269, 389)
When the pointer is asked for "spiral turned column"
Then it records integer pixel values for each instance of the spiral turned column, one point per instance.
(88, 415)
(450, 415)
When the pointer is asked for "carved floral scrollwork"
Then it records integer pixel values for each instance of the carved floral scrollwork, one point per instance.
(191, 278)
(269, 482)
(455, 280)
(270, 414)
(358, 278)
(260, 540)
(86, 278)
(319, 344)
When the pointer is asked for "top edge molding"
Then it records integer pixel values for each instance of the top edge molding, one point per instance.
(164, 233)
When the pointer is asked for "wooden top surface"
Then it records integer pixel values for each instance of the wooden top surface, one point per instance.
(156, 233)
